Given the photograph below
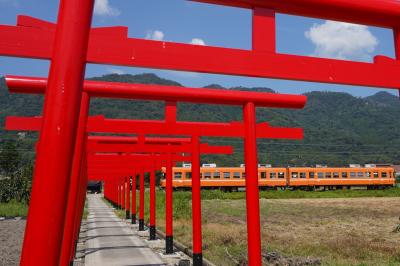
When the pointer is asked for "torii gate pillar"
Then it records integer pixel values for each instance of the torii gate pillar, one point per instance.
(43, 236)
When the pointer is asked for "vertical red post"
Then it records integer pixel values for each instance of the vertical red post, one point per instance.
(141, 201)
(133, 211)
(128, 196)
(396, 32)
(45, 224)
(153, 202)
(73, 194)
(170, 117)
(252, 195)
(123, 195)
(170, 112)
(196, 203)
(264, 30)
(169, 239)
(119, 204)
(80, 204)
(264, 40)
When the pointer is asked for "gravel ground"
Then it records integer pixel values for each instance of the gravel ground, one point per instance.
(11, 236)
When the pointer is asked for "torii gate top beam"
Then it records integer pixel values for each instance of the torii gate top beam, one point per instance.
(370, 12)
(33, 38)
(165, 93)
(155, 148)
(130, 140)
(100, 124)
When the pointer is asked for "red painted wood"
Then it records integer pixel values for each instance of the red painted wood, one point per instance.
(47, 209)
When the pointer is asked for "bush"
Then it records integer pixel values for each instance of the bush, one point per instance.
(15, 178)
(17, 188)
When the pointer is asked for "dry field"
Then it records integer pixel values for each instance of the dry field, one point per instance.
(347, 231)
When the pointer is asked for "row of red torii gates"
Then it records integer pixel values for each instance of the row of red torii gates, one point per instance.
(67, 155)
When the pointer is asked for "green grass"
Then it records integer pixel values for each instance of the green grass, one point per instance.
(13, 209)
(85, 211)
(182, 199)
(300, 194)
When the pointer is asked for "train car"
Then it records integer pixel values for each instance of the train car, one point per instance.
(229, 178)
(233, 178)
(338, 177)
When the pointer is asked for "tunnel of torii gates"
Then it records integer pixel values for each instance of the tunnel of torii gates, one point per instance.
(71, 43)
(113, 158)
(168, 126)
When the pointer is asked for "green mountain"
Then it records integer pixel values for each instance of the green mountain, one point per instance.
(339, 128)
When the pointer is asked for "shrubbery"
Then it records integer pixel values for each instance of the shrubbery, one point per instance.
(15, 178)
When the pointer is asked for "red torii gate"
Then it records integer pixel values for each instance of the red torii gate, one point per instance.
(164, 153)
(172, 127)
(69, 58)
(135, 144)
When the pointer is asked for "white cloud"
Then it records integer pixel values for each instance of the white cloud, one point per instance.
(103, 8)
(155, 35)
(116, 71)
(197, 41)
(342, 40)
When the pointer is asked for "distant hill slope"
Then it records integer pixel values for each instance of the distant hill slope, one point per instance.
(339, 128)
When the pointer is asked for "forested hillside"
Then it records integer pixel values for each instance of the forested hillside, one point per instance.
(339, 128)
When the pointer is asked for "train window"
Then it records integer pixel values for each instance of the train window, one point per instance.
(320, 175)
(312, 175)
(216, 174)
(344, 174)
(178, 175)
(328, 175)
(244, 175)
(335, 174)
(360, 174)
(236, 175)
(281, 175)
(207, 175)
(384, 174)
(352, 174)
(201, 175)
(263, 175)
(376, 175)
(188, 175)
(227, 175)
(295, 174)
(368, 174)
(303, 175)
(272, 175)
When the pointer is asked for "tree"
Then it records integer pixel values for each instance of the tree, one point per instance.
(9, 158)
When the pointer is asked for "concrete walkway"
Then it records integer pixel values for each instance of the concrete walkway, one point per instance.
(109, 241)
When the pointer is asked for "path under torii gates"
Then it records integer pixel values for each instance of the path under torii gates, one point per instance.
(111, 241)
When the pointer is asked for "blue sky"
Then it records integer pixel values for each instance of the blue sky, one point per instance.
(183, 21)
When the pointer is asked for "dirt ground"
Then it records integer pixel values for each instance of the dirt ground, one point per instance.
(350, 231)
(11, 235)
(343, 231)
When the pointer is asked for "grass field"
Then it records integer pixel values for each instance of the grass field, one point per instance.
(337, 227)
(13, 209)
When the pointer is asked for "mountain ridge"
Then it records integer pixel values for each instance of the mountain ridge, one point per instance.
(339, 128)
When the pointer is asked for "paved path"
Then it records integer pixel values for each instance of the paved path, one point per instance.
(109, 241)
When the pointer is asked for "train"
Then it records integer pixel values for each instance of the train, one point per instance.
(306, 178)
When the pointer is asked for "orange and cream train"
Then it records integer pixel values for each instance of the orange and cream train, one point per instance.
(233, 178)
